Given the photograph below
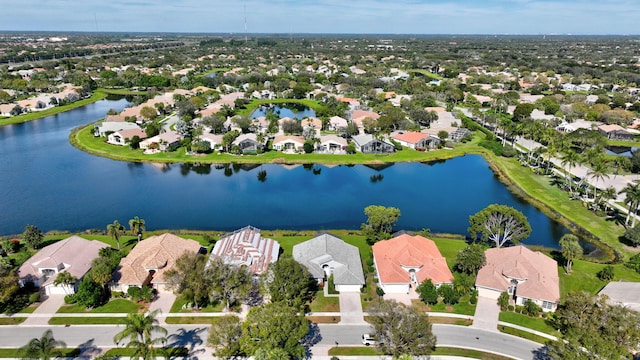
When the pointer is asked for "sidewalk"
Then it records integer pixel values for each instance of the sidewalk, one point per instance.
(45, 311)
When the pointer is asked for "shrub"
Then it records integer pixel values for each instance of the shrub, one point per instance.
(379, 291)
(474, 297)
(633, 235)
(509, 151)
(606, 274)
(510, 308)
(449, 295)
(148, 293)
(428, 292)
(492, 145)
(70, 299)
(135, 293)
(332, 285)
(35, 297)
(503, 301)
(634, 263)
(531, 309)
(519, 309)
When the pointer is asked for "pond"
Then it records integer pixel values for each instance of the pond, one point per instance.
(49, 183)
(292, 110)
(620, 150)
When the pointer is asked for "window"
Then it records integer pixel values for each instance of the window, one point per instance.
(548, 305)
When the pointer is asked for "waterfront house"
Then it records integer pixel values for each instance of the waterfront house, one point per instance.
(327, 255)
(288, 143)
(523, 274)
(73, 254)
(249, 143)
(615, 132)
(247, 247)
(163, 142)
(150, 259)
(106, 127)
(331, 144)
(404, 262)
(124, 137)
(368, 144)
(411, 139)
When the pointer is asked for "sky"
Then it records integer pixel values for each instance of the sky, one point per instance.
(577, 17)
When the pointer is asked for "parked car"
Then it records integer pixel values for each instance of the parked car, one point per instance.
(368, 339)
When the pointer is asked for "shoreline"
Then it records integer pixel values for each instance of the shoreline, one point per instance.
(607, 251)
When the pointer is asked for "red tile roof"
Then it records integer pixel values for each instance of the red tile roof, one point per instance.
(393, 258)
(410, 136)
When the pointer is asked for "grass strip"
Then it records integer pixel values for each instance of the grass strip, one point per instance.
(439, 351)
(324, 319)
(538, 324)
(86, 320)
(12, 320)
(522, 334)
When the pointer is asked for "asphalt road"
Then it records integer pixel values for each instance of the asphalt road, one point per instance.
(194, 336)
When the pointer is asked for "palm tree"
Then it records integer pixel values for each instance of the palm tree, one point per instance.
(598, 172)
(115, 230)
(608, 194)
(137, 226)
(43, 348)
(569, 160)
(148, 349)
(65, 278)
(632, 198)
(139, 329)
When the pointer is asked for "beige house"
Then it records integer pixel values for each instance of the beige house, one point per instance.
(247, 247)
(147, 263)
(73, 254)
(123, 137)
(523, 274)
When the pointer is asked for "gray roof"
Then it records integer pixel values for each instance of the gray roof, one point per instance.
(623, 293)
(326, 249)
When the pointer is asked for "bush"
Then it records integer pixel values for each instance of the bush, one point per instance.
(135, 293)
(509, 152)
(70, 299)
(634, 263)
(379, 291)
(633, 235)
(35, 297)
(503, 301)
(474, 297)
(492, 145)
(428, 292)
(531, 309)
(510, 308)
(449, 295)
(606, 274)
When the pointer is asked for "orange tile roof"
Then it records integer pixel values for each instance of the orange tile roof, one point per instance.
(539, 272)
(410, 136)
(364, 113)
(394, 256)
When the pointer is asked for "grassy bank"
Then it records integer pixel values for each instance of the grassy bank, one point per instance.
(97, 95)
(121, 91)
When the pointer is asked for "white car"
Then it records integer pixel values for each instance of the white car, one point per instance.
(368, 339)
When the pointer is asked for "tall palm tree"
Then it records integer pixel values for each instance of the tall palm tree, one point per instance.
(608, 194)
(632, 198)
(569, 160)
(137, 226)
(148, 349)
(139, 328)
(42, 348)
(598, 172)
(115, 230)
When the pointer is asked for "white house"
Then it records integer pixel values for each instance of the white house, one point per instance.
(288, 143)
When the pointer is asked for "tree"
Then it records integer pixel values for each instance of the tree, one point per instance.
(380, 222)
(139, 329)
(606, 273)
(632, 198)
(428, 292)
(443, 135)
(190, 278)
(32, 236)
(632, 234)
(448, 294)
(274, 326)
(522, 111)
(8, 282)
(243, 122)
(598, 172)
(43, 348)
(593, 329)
(470, 259)
(149, 113)
(569, 160)
(115, 230)
(66, 279)
(230, 283)
(228, 139)
(273, 354)
(571, 249)
(500, 224)
(215, 122)
(137, 226)
(224, 336)
(289, 282)
(90, 293)
(403, 330)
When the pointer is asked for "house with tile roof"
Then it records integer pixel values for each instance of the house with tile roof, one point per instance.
(289, 143)
(411, 139)
(368, 144)
(73, 254)
(331, 144)
(337, 122)
(523, 274)
(405, 261)
(124, 137)
(150, 259)
(615, 132)
(623, 293)
(327, 255)
(246, 246)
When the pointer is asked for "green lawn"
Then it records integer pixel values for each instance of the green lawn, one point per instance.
(463, 307)
(125, 352)
(192, 320)
(113, 306)
(97, 95)
(449, 248)
(522, 334)
(86, 320)
(176, 307)
(12, 320)
(538, 324)
(325, 304)
(426, 73)
(583, 277)
(440, 351)
(623, 143)
(63, 353)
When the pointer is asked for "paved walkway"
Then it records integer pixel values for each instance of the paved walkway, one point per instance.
(163, 303)
(351, 308)
(486, 316)
(45, 311)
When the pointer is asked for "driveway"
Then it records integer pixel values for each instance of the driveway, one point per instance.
(163, 303)
(45, 311)
(351, 308)
(486, 316)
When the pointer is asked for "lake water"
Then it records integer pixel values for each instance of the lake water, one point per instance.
(293, 111)
(47, 182)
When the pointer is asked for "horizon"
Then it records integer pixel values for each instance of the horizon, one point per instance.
(403, 17)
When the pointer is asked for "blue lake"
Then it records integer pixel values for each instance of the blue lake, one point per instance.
(48, 183)
(292, 110)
